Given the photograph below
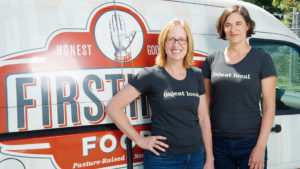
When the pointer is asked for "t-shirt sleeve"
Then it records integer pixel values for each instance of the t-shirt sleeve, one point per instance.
(141, 81)
(268, 68)
(206, 68)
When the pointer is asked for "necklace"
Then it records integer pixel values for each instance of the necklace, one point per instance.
(177, 74)
(236, 57)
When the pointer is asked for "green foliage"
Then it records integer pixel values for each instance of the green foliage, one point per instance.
(285, 5)
(266, 4)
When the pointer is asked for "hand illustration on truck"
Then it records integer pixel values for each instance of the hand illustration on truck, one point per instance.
(120, 39)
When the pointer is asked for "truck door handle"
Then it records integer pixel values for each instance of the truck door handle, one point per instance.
(276, 128)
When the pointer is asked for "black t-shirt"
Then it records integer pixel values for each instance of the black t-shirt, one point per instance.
(236, 92)
(174, 104)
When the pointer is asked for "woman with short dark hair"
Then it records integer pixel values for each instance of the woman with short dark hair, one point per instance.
(235, 79)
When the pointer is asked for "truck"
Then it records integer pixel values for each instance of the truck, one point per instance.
(62, 61)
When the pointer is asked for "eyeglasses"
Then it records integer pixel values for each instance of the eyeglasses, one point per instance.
(173, 41)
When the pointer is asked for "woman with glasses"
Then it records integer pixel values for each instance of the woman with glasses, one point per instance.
(180, 118)
(235, 79)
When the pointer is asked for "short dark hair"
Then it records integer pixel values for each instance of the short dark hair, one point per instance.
(232, 9)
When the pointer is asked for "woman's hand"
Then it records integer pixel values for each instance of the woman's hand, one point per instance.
(152, 142)
(209, 165)
(257, 158)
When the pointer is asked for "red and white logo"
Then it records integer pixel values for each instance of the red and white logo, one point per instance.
(116, 32)
(68, 83)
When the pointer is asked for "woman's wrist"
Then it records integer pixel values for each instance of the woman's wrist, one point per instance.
(209, 158)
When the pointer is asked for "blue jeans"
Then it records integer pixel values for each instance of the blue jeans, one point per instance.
(233, 153)
(163, 161)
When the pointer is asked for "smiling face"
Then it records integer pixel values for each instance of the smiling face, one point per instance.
(175, 47)
(236, 28)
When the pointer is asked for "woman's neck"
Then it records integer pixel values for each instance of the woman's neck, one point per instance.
(175, 66)
(237, 52)
(176, 70)
(243, 47)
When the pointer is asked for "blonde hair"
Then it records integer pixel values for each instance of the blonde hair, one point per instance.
(161, 58)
